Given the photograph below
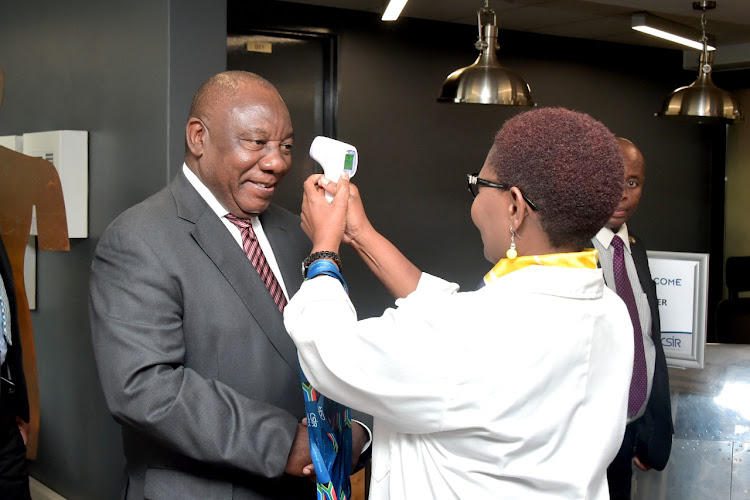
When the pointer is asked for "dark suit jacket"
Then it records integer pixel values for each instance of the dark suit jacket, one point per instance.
(193, 356)
(651, 434)
(654, 429)
(18, 400)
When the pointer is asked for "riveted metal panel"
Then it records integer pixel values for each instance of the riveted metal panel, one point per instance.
(741, 471)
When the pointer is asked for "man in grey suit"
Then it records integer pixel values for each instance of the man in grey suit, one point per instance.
(192, 353)
(648, 436)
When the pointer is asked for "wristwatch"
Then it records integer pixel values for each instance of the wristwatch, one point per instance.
(325, 254)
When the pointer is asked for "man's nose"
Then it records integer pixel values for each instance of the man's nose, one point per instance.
(273, 160)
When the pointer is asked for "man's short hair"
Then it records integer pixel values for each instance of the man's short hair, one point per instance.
(219, 88)
(222, 87)
(568, 164)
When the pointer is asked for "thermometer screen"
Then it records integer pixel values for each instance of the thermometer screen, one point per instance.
(349, 161)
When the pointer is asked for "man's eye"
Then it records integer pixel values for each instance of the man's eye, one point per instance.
(254, 143)
(287, 148)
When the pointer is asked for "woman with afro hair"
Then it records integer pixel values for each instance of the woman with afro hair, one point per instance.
(516, 390)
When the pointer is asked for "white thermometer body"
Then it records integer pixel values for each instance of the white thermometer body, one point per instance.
(335, 157)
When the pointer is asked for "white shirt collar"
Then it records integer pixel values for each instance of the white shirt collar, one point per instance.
(205, 193)
(605, 235)
(221, 212)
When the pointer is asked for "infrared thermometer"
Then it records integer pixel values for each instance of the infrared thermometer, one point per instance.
(335, 157)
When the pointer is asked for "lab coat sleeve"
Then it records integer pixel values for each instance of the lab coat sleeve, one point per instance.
(385, 366)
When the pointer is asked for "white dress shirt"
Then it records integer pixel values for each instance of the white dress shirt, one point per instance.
(516, 390)
(208, 196)
(602, 242)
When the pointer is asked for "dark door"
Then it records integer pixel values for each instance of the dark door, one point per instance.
(302, 67)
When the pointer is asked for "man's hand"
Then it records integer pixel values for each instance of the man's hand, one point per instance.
(640, 464)
(299, 462)
(23, 428)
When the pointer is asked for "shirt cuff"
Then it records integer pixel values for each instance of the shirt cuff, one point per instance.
(369, 433)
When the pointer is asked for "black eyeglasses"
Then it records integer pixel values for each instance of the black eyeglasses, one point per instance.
(474, 181)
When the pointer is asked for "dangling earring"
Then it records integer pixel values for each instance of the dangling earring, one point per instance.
(512, 253)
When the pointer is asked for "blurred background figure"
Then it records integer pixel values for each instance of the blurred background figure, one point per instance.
(14, 403)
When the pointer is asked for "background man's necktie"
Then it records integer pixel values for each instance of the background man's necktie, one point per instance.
(255, 254)
(638, 382)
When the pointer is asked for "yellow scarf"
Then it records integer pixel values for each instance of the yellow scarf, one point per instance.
(586, 259)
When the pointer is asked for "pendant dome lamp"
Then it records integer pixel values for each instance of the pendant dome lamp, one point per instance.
(485, 81)
(702, 101)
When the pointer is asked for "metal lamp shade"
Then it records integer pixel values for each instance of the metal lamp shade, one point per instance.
(485, 81)
(702, 101)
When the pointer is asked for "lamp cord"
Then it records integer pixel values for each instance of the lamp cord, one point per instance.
(704, 39)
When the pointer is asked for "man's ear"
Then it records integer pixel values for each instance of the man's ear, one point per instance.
(195, 135)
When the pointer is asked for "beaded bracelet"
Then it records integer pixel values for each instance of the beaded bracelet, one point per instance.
(324, 254)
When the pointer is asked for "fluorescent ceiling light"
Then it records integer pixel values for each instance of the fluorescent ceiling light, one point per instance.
(674, 32)
(393, 10)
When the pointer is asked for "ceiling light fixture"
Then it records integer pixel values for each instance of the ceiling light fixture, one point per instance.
(393, 10)
(674, 32)
(702, 101)
(485, 81)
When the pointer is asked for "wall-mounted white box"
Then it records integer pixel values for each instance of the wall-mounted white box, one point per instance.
(68, 152)
(14, 142)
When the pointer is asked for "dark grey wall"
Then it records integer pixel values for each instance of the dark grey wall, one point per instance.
(125, 72)
(415, 152)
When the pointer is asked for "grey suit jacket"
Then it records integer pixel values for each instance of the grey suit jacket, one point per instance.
(193, 356)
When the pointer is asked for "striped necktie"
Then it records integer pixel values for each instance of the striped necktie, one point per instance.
(253, 251)
(331, 436)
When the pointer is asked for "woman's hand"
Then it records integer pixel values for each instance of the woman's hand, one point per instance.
(356, 219)
(390, 266)
(324, 222)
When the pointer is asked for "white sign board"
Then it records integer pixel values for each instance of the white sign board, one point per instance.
(682, 290)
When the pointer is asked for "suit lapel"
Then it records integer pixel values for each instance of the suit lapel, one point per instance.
(214, 239)
(640, 259)
(281, 240)
(641, 263)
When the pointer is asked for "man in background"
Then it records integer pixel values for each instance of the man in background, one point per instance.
(14, 403)
(29, 185)
(648, 436)
(187, 292)
(14, 400)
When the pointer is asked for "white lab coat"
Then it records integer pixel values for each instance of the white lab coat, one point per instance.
(516, 390)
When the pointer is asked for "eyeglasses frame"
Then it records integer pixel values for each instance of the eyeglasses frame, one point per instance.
(475, 180)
